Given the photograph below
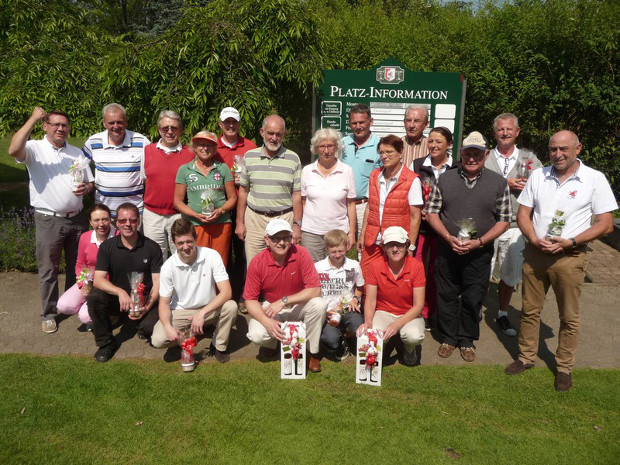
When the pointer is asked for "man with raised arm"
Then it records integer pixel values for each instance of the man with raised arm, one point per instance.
(57, 202)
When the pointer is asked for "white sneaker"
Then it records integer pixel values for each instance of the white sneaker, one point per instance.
(49, 326)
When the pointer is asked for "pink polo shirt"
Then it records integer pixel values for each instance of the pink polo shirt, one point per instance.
(265, 277)
(326, 198)
(88, 248)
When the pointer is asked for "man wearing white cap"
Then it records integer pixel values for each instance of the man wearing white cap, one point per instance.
(231, 145)
(285, 277)
(468, 208)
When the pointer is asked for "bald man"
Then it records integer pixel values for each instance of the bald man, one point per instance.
(555, 213)
(270, 187)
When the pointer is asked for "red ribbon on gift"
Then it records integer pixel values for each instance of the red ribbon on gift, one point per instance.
(295, 351)
(188, 344)
(529, 163)
(140, 291)
(372, 338)
(426, 191)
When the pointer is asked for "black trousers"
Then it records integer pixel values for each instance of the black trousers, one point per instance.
(102, 306)
(461, 282)
(236, 264)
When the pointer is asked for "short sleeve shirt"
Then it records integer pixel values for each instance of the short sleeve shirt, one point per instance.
(197, 183)
(117, 260)
(338, 282)
(192, 286)
(271, 181)
(50, 182)
(326, 198)
(269, 281)
(585, 193)
(362, 160)
(395, 295)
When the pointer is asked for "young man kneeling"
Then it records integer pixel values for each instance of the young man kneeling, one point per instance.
(188, 297)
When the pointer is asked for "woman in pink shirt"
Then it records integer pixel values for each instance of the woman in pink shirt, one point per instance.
(328, 194)
(74, 300)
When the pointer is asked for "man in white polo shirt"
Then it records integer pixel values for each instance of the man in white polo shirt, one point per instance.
(58, 216)
(555, 216)
(117, 154)
(188, 298)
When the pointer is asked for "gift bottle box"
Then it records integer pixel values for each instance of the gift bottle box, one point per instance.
(293, 351)
(369, 360)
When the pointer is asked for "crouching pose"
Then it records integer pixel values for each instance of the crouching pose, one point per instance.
(395, 287)
(284, 275)
(188, 298)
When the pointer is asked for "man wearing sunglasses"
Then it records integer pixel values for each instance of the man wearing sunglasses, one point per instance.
(110, 300)
(478, 196)
(284, 277)
(161, 162)
(57, 203)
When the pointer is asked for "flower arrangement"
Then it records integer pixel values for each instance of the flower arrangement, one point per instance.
(187, 351)
(207, 206)
(525, 168)
(85, 279)
(76, 171)
(467, 229)
(137, 292)
(557, 224)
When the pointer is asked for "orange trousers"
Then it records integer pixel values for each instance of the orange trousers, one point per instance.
(215, 236)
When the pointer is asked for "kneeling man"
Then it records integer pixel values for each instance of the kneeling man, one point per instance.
(110, 299)
(283, 274)
(188, 297)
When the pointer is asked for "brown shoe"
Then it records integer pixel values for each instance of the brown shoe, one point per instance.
(468, 354)
(445, 350)
(563, 382)
(315, 364)
(517, 367)
(221, 357)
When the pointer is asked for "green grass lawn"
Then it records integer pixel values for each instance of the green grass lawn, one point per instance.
(70, 410)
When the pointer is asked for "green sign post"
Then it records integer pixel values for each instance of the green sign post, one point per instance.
(388, 90)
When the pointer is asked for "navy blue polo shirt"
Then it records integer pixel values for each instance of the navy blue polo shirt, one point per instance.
(117, 260)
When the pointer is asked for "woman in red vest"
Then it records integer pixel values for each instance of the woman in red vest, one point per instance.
(394, 199)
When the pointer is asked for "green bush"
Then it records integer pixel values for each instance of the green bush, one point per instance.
(17, 236)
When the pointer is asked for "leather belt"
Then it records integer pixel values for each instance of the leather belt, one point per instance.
(271, 214)
(361, 201)
(45, 211)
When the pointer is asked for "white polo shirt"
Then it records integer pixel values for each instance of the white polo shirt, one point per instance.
(192, 286)
(584, 194)
(50, 183)
(336, 282)
(326, 198)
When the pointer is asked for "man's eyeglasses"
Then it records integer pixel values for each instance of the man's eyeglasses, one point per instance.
(59, 125)
(127, 220)
(277, 239)
(169, 129)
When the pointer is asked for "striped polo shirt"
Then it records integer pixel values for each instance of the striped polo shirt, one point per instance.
(117, 169)
(271, 181)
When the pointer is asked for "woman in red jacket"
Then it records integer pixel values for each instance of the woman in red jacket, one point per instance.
(394, 199)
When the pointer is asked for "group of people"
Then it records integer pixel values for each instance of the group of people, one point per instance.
(223, 219)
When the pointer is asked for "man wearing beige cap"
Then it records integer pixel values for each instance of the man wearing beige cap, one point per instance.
(231, 149)
(284, 276)
(468, 208)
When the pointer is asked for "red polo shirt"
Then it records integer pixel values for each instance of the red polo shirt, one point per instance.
(395, 295)
(265, 277)
(227, 154)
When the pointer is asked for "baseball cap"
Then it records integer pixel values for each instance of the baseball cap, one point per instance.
(476, 140)
(395, 234)
(276, 225)
(230, 112)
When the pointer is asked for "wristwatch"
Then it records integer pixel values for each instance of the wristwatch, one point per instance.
(297, 222)
(572, 239)
(412, 248)
(285, 300)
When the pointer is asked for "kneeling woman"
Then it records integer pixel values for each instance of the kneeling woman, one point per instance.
(395, 286)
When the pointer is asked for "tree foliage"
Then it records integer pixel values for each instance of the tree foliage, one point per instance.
(554, 63)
